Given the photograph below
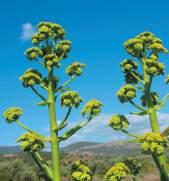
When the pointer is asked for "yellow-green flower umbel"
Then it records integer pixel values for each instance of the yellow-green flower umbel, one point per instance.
(118, 122)
(12, 114)
(117, 172)
(31, 77)
(75, 69)
(70, 99)
(92, 108)
(31, 142)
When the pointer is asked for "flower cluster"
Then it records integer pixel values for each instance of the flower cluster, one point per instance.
(133, 165)
(92, 108)
(118, 122)
(70, 99)
(63, 48)
(144, 41)
(75, 69)
(152, 143)
(31, 77)
(126, 93)
(12, 114)
(128, 65)
(80, 172)
(154, 67)
(154, 98)
(48, 30)
(31, 142)
(117, 172)
(51, 60)
(33, 53)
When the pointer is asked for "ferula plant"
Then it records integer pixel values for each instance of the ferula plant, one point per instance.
(140, 70)
(49, 51)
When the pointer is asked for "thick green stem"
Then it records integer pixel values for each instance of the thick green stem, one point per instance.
(53, 129)
(160, 160)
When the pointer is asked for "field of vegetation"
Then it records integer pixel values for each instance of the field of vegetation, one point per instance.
(20, 166)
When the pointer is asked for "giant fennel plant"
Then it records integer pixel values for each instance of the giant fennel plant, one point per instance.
(49, 51)
(145, 50)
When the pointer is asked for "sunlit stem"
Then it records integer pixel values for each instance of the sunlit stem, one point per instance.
(137, 106)
(38, 94)
(128, 133)
(66, 83)
(137, 78)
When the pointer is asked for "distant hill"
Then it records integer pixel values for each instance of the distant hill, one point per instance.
(111, 148)
(9, 149)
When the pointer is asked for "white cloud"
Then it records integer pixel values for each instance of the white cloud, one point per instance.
(27, 31)
(98, 131)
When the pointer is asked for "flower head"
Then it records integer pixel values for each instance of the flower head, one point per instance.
(126, 93)
(12, 114)
(31, 77)
(130, 79)
(51, 60)
(128, 65)
(118, 122)
(63, 48)
(152, 143)
(117, 172)
(33, 53)
(154, 67)
(80, 171)
(144, 41)
(31, 142)
(134, 165)
(75, 69)
(70, 99)
(92, 108)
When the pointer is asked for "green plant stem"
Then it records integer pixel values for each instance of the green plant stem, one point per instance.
(38, 94)
(53, 129)
(138, 107)
(128, 133)
(160, 160)
(137, 78)
(42, 165)
(66, 83)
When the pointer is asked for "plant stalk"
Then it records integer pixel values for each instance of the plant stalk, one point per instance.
(160, 160)
(53, 130)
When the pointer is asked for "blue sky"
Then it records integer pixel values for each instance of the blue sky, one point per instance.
(97, 30)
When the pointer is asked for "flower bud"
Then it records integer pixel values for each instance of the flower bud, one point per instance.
(92, 108)
(51, 60)
(133, 165)
(31, 77)
(63, 48)
(33, 53)
(152, 143)
(117, 172)
(126, 93)
(80, 171)
(75, 69)
(12, 114)
(154, 67)
(31, 142)
(128, 65)
(118, 122)
(70, 99)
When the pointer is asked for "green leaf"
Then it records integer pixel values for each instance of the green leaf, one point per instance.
(43, 103)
